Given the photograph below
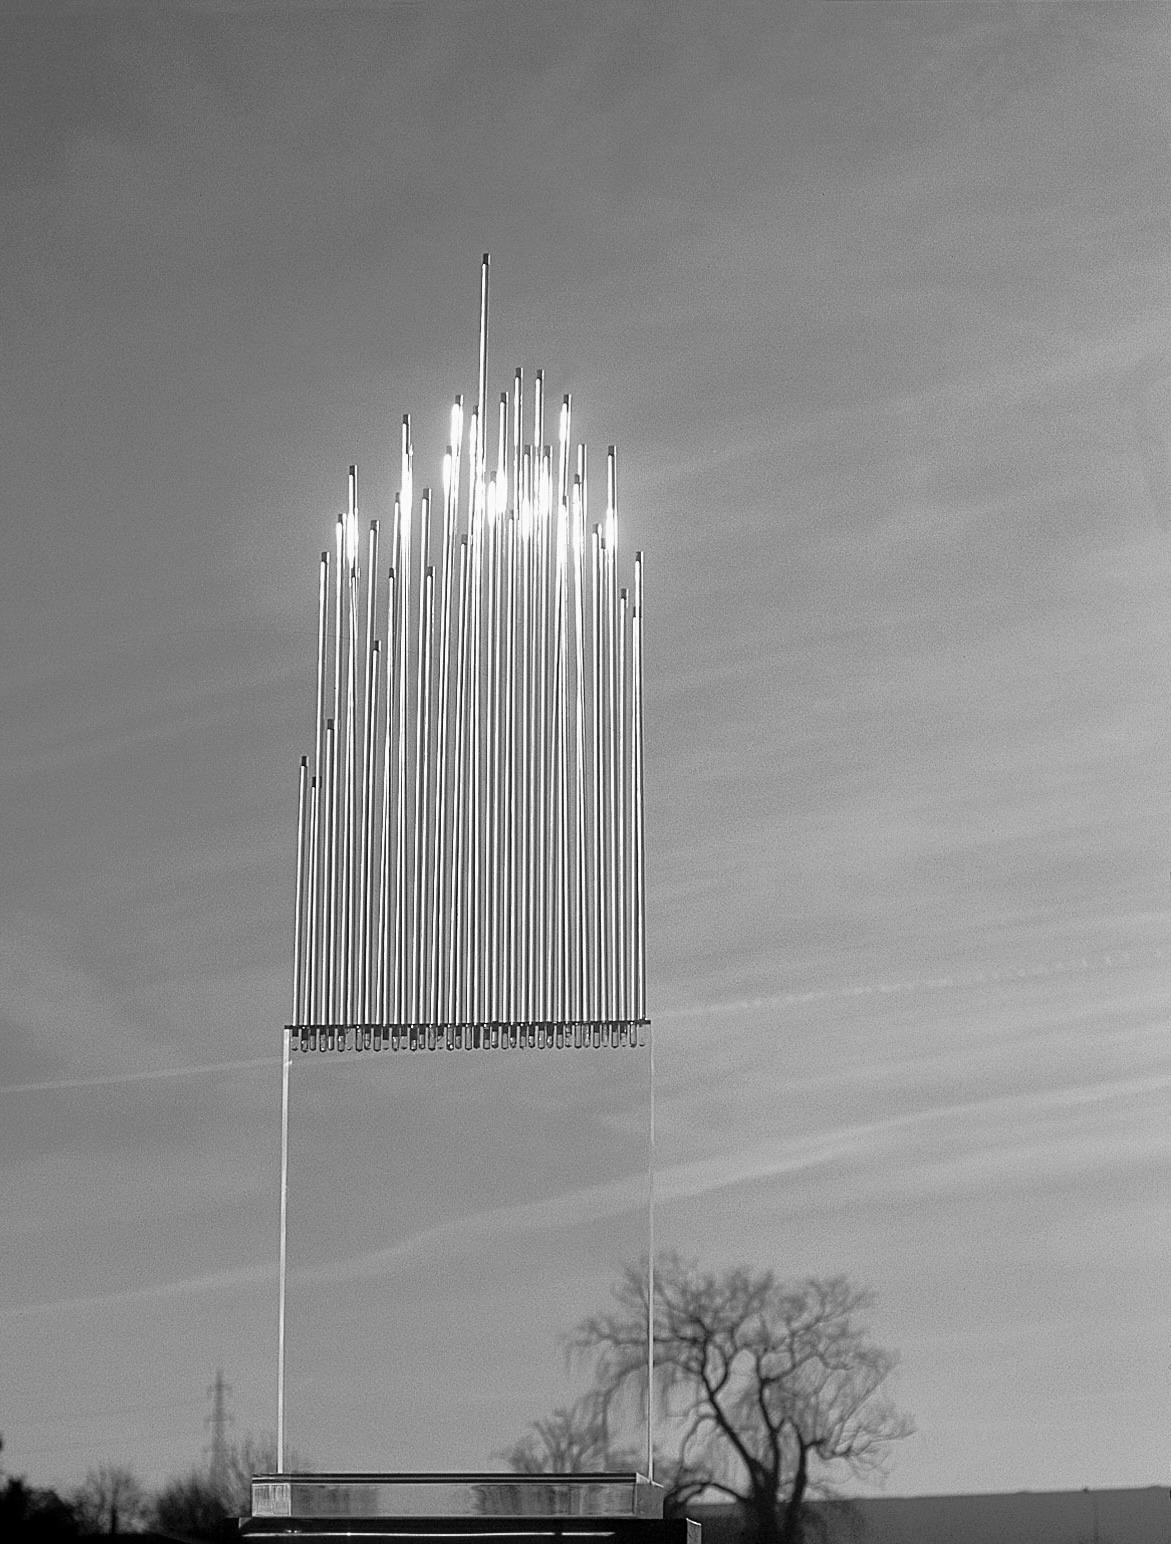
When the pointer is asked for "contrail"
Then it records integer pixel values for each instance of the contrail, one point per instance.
(149, 1075)
(954, 981)
(241, 1277)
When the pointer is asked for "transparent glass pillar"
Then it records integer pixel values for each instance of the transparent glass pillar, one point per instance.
(452, 1216)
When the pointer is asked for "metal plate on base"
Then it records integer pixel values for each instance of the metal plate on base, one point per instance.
(390, 1496)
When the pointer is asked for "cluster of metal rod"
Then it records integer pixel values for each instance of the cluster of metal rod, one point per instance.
(471, 864)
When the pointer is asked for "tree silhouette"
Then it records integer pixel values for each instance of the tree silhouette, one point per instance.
(195, 1506)
(770, 1392)
(111, 1500)
(573, 1440)
(29, 1515)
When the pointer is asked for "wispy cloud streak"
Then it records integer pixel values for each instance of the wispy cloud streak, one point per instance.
(860, 1143)
(142, 1075)
(1114, 959)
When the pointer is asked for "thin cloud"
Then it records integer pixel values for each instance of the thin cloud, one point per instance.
(240, 1278)
(145, 1075)
(1029, 1114)
(1115, 959)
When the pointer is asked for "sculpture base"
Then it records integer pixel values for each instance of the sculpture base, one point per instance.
(621, 1508)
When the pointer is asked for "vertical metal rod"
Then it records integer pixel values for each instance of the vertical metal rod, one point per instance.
(403, 569)
(541, 847)
(526, 667)
(613, 764)
(516, 567)
(327, 949)
(334, 811)
(368, 957)
(650, 1258)
(352, 758)
(621, 959)
(607, 647)
(384, 1010)
(557, 990)
(569, 506)
(567, 1008)
(286, 1049)
(598, 976)
(457, 440)
(440, 984)
(619, 785)
(457, 924)
(482, 398)
(510, 908)
(492, 761)
(638, 856)
(315, 885)
(544, 847)
(299, 930)
(459, 909)
(517, 437)
(474, 759)
(495, 747)
(313, 920)
(563, 447)
(348, 808)
(421, 700)
(366, 803)
(282, 1261)
(591, 644)
(581, 928)
(419, 1011)
(479, 919)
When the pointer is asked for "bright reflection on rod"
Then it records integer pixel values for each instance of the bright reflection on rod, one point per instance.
(470, 842)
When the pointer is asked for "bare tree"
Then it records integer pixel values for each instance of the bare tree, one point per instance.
(772, 1392)
(195, 1506)
(191, 1507)
(570, 1441)
(110, 1501)
(34, 1516)
(253, 1455)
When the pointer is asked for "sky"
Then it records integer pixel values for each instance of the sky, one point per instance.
(872, 299)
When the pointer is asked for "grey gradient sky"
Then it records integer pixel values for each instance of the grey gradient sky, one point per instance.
(873, 300)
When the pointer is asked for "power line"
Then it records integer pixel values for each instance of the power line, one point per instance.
(218, 1421)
